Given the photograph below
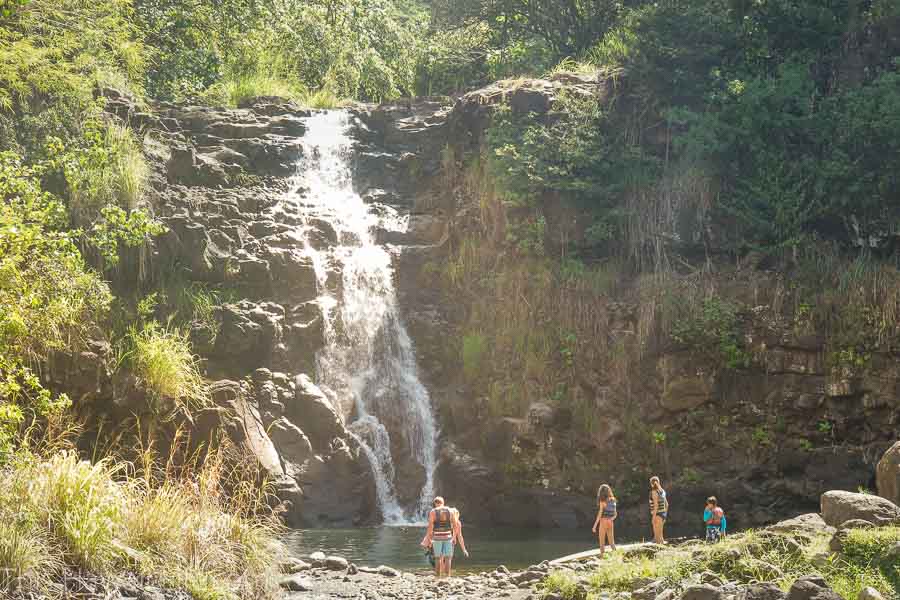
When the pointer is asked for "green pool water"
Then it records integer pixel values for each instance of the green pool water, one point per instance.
(399, 546)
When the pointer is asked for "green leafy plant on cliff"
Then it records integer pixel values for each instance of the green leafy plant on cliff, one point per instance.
(712, 329)
(49, 300)
(473, 355)
(584, 154)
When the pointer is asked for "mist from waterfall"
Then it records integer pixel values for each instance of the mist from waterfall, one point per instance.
(368, 364)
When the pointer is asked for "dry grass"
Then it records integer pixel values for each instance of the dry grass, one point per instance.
(181, 527)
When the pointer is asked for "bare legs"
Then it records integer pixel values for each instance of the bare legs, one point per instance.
(441, 566)
(658, 524)
(606, 534)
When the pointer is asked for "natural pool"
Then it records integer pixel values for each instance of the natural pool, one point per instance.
(399, 546)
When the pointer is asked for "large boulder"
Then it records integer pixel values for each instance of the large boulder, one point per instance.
(338, 489)
(839, 506)
(245, 426)
(703, 591)
(888, 474)
(812, 587)
(314, 413)
(811, 523)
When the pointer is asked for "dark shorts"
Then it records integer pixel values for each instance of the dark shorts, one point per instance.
(662, 515)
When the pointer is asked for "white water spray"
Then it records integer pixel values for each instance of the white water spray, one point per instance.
(368, 364)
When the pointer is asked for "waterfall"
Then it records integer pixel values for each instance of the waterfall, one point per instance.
(368, 366)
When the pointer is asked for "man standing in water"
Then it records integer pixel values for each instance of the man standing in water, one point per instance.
(442, 527)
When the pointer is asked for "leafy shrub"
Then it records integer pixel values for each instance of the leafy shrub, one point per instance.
(712, 329)
(49, 301)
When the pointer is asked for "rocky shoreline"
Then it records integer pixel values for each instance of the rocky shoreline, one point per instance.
(321, 577)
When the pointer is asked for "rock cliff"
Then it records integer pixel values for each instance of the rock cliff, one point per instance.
(767, 439)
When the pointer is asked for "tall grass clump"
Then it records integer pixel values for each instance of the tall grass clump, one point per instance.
(165, 363)
(26, 554)
(80, 503)
(130, 170)
(62, 513)
(238, 88)
(106, 169)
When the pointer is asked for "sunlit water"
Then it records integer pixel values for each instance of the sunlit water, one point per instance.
(398, 547)
(368, 361)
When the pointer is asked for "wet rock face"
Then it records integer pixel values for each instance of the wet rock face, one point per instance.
(222, 182)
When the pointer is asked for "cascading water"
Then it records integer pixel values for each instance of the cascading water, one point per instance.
(368, 364)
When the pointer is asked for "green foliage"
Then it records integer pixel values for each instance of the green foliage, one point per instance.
(564, 585)
(228, 52)
(712, 329)
(52, 54)
(671, 51)
(761, 437)
(104, 168)
(567, 27)
(8, 7)
(584, 154)
(527, 235)
(866, 549)
(761, 557)
(49, 301)
(473, 355)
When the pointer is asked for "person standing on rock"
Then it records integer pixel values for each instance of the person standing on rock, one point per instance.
(604, 524)
(714, 517)
(440, 534)
(659, 509)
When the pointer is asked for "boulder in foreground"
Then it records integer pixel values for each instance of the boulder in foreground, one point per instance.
(838, 507)
(888, 474)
